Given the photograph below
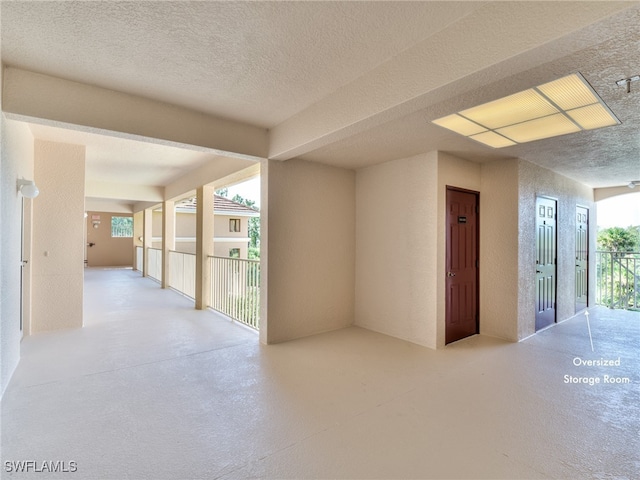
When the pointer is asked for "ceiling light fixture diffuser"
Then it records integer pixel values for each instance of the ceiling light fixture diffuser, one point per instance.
(566, 105)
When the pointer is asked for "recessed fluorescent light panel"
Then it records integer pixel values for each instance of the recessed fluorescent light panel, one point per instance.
(566, 105)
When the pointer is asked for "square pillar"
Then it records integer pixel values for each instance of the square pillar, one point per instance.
(147, 239)
(138, 234)
(168, 237)
(204, 244)
(58, 237)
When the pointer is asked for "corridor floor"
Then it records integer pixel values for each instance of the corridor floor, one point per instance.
(152, 389)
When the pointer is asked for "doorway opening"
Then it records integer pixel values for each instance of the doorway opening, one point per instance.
(462, 264)
(546, 261)
(582, 258)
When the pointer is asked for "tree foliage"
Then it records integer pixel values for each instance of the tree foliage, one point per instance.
(618, 239)
(121, 226)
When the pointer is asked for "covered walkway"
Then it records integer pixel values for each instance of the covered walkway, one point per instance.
(152, 388)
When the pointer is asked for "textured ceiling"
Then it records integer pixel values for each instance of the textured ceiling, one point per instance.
(256, 62)
(600, 158)
(289, 66)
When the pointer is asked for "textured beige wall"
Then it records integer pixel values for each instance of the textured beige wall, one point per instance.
(16, 147)
(499, 249)
(459, 173)
(396, 257)
(107, 251)
(58, 246)
(536, 181)
(308, 286)
(401, 244)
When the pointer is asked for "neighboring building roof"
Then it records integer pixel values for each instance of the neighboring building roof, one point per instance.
(221, 206)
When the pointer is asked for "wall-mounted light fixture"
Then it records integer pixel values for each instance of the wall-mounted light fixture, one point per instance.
(566, 105)
(28, 188)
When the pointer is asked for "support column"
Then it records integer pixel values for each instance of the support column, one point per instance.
(147, 239)
(58, 237)
(138, 234)
(204, 244)
(168, 237)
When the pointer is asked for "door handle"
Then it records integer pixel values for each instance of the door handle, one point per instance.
(451, 274)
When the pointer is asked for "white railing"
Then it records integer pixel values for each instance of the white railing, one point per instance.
(235, 288)
(139, 259)
(154, 264)
(618, 280)
(182, 272)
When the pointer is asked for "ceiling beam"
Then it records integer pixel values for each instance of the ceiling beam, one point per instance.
(123, 191)
(31, 96)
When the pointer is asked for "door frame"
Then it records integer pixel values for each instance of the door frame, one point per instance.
(26, 228)
(588, 251)
(555, 276)
(475, 193)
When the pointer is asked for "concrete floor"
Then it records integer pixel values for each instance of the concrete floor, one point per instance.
(153, 389)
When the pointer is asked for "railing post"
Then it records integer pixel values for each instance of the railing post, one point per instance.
(612, 281)
(636, 284)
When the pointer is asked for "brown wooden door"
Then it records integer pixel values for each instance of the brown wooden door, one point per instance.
(545, 262)
(582, 258)
(462, 265)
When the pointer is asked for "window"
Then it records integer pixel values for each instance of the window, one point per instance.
(122, 227)
(234, 252)
(234, 224)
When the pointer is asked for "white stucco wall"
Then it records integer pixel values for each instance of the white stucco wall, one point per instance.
(17, 161)
(396, 239)
(308, 269)
(58, 231)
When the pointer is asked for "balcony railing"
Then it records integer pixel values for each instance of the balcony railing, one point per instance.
(139, 259)
(154, 264)
(618, 280)
(235, 289)
(235, 283)
(182, 272)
